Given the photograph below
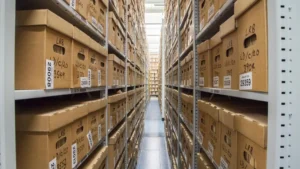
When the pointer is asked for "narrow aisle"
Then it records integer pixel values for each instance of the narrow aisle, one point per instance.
(153, 151)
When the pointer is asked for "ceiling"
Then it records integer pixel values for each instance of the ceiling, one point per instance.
(153, 19)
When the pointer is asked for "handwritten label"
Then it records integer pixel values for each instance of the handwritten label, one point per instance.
(74, 155)
(223, 164)
(216, 81)
(246, 81)
(201, 81)
(227, 82)
(73, 4)
(99, 77)
(90, 139)
(211, 11)
(89, 78)
(210, 151)
(84, 82)
(49, 77)
(53, 164)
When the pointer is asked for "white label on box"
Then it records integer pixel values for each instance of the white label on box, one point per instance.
(89, 78)
(211, 11)
(227, 82)
(223, 164)
(201, 81)
(73, 4)
(216, 81)
(210, 151)
(53, 164)
(99, 77)
(201, 24)
(49, 77)
(90, 139)
(246, 81)
(84, 82)
(74, 155)
(99, 132)
(201, 138)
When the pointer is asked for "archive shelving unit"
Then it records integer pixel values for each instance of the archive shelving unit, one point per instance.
(8, 94)
(283, 84)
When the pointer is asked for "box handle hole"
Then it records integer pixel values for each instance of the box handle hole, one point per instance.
(229, 52)
(61, 142)
(250, 159)
(79, 130)
(59, 49)
(81, 56)
(250, 41)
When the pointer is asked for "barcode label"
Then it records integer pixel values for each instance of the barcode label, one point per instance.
(211, 11)
(73, 4)
(90, 139)
(53, 164)
(246, 81)
(216, 81)
(99, 132)
(84, 82)
(89, 78)
(49, 77)
(99, 77)
(227, 82)
(74, 155)
(210, 151)
(201, 81)
(202, 24)
(223, 164)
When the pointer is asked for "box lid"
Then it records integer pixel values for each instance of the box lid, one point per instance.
(48, 118)
(113, 57)
(227, 117)
(116, 97)
(97, 47)
(130, 92)
(241, 6)
(44, 17)
(80, 36)
(228, 26)
(97, 158)
(215, 40)
(95, 105)
(254, 125)
(203, 47)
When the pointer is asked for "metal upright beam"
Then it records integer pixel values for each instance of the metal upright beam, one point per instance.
(126, 70)
(163, 70)
(7, 85)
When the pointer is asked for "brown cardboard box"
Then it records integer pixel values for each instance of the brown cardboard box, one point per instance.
(212, 8)
(98, 55)
(215, 45)
(182, 63)
(81, 139)
(120, 41)
(97, 159)
(81, 78)
(96, 15)
(204, 162)
(114, 147)
(47, 129)
(230, 53)
(252, 44)
(113, 29)
(205, 65)
(113, 68)
(49, 50)
(203, 124)
(122, 10)
(203, 13)
(221, 3)
(250, 154)
(81, 6)
(190, 29)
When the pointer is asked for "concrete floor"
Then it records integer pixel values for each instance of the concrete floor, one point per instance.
(153, 153)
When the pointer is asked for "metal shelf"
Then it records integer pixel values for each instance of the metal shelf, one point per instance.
(112, 49)
(186, 87)
(114, 10)
(32, 94)
(236, 93)
(186, 52)
(116, 87)
(213, 25)
(186, 123)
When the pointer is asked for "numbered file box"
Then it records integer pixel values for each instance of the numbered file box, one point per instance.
(252, 44)
(97, 64)
(205, 65)
(97, 160)
(81, 76)
(217, 57)
(116, 108)
(116, 147)
(81, 6)
(48, 130)
(116, 71)
(96, 14)
(43, 51)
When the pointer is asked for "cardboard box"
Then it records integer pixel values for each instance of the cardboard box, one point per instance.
(204, 162)
(81, 77)
(114, 147)
(113, 29)
(96, 14)
(97, 64)
(212, 8)
(215, 45)
(81, 6)
(97, 160)
(49, 50)
(182, 63)
(205, 65)
(203, 124)
(230, 53)
(221, 3)
(190, 61)
(253, 44)
(113, 70)
(47, 129)
(122, 10)
(203, 13)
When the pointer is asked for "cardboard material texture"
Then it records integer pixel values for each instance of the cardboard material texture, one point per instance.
(212, 8)
(81, 76)
(252, 44)
(215, 45)
(81, 6)
(203, 13)
(98, 55)
(221, 3)
(47, 129)
(230, 53)
(203, 124)
(97, 159)
(79, 136)
(205, 62)
(96, 15)
(114, 70)
(113, 29)
(44, 40)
